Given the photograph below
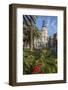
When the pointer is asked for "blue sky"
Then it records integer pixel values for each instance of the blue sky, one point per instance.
(50, 22)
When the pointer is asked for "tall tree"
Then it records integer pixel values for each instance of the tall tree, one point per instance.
(30, 29)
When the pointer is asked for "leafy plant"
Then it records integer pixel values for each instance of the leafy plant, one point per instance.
(39, 61)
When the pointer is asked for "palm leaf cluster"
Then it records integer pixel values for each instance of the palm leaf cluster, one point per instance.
(29, 19)
(29, 29)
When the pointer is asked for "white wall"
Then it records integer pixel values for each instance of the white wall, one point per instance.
(4, 44)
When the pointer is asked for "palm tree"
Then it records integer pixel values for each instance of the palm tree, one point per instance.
(30, 29)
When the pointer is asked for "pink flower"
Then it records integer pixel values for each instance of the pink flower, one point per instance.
(36, 69)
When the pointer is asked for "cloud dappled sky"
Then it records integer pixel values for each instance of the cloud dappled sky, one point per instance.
(50, 22)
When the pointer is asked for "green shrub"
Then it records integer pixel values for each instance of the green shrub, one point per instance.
(45, 58)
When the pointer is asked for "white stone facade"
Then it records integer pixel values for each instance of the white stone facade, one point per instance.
(42, 42)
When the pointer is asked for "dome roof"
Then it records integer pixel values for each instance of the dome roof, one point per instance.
(44, 29)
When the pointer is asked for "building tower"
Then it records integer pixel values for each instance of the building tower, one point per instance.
(42, 42)
(44, 35)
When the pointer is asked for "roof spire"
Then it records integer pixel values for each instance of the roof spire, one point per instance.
(43, 23)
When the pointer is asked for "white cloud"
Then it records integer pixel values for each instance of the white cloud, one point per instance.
(48, 22)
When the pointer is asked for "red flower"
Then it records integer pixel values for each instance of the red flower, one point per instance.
(36, 69)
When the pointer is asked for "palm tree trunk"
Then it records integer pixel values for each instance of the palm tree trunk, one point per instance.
(31, 38)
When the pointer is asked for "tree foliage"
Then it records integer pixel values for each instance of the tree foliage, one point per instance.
(30, 30)
(44, 61)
